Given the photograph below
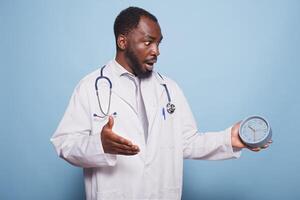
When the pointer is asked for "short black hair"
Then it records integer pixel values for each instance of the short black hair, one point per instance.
(128, 19)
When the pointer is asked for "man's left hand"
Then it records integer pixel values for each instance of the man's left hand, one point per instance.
(236, 141)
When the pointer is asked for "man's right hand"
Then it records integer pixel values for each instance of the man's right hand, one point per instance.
(115, 144)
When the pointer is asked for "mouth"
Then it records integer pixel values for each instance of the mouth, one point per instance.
(150, 64)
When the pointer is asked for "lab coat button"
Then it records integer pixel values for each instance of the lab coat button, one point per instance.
(147, 164)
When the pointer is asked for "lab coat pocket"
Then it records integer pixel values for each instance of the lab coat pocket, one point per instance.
(167, 139)
(110, 195)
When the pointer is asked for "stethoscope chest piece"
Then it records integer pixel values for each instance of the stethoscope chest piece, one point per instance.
(170, 108)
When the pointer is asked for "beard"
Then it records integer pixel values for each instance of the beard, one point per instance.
(136, 66)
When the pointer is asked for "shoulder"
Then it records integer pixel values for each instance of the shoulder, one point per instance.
(87, 83)
(92, 76)
(88, 80)
(172, 87)
(166, 80)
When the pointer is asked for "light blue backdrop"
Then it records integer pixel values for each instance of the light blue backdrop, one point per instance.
(231, 58)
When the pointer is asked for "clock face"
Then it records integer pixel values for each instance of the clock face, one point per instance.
(254, 130)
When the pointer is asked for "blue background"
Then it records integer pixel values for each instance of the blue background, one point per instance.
(231, 58)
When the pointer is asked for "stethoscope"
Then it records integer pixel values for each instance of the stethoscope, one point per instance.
(170, 107)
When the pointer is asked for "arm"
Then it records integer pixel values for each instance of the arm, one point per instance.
(207, 146)
(74, 142)
(210, 145)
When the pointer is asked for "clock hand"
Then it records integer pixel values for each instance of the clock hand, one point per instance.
(251, 128)
(254, 135)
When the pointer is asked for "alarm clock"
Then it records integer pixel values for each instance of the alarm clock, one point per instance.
(255, 131)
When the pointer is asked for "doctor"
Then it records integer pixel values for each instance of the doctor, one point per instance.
(131, 136)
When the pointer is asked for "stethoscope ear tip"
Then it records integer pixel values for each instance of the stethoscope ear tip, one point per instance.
(114, 114)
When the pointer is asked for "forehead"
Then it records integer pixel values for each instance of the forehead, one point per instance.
(147, 28)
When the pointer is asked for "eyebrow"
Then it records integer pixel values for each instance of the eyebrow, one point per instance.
(153, 38)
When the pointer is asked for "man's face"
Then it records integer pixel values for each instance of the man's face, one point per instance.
(143, 47)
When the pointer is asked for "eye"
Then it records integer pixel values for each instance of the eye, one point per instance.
(147, 43)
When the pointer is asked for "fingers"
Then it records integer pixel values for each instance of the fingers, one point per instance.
(270, 142)
(114, 137)
(124, 149)
(115, 144)
(118, 139)
(257, 149)
(121, 149)
(267, 145)
(122, 143)
(110, 122)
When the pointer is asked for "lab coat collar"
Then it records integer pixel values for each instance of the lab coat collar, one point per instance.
(152, 90)
(119, 70)
(114, 72)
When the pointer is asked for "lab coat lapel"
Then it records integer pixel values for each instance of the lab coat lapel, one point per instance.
(118, 89)
(152, 92)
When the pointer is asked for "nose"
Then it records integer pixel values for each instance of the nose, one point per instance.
(155, 50)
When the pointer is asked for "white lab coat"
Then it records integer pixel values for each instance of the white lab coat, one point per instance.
(156, 171)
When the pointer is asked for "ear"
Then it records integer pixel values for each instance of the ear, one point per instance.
(122, 42)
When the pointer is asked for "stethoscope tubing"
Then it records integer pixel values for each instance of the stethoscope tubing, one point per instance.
(170, 107)
(104, 114)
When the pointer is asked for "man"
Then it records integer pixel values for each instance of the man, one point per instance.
(132, 135)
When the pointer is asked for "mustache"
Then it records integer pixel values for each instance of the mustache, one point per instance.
(151, 60)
